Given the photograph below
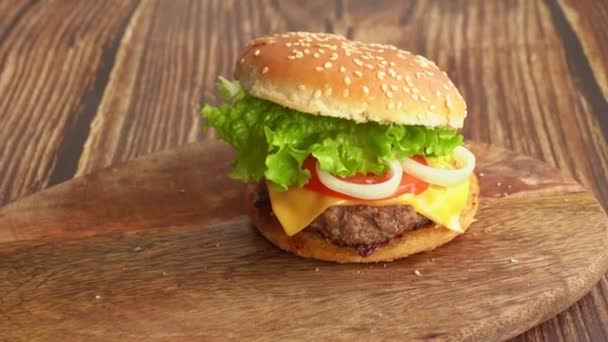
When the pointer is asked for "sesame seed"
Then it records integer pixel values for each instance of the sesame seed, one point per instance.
(291, 57)
(415, 90)
(392, 64)
(321, 51)
(415, 96)
(316, 55)
(448, 102)
(394, 87)
(408, 78)
(306, 51)
(380, 58)
(428, 72)
(390, 105)
(319, 68)
(327, 65)
(432, 107)
(369, 66)
(327, 91)
(342, 69)
(399, 77)
(347, 80)
(264, 70)
(288, 44)
(358, 62)
(256, 53)
(389, 94)
(399, 104)
(347, 53)
(384, 87)
(445, 86)
(317, 94)
(438, 92)
(365, 90)
(301, 87)
(406, 89)
(381, 74)
(400, 55)
(334, 56)
(384, 63)
(358, 73)
(422, 98)
(418, 74)
(345, 93)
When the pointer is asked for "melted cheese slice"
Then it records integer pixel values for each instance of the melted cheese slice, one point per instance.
(297, 208)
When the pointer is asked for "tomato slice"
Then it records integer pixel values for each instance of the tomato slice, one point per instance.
(409, 184)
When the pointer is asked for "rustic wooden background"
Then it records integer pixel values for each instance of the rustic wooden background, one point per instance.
(88, 84)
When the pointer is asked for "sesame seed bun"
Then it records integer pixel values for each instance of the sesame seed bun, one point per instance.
(329, 75)
(312, 245)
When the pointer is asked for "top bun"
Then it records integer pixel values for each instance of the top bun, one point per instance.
(329, 75)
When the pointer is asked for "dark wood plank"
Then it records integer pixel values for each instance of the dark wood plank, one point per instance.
(588, 19)
(184, 264)
(52, 73)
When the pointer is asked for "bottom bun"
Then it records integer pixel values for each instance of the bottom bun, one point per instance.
(312, 245)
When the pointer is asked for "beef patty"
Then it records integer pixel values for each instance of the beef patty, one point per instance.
(362, 227)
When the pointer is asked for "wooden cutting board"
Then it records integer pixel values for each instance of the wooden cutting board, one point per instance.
(160, 248)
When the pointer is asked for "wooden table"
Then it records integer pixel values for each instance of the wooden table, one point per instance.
(88, 84)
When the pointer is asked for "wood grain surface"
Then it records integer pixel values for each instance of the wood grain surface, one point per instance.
(88, 84)
(143, 251)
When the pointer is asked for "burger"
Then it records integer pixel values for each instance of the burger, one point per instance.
(351, 150)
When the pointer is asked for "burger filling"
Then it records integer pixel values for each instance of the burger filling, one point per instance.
(358, 185)
(362, 227)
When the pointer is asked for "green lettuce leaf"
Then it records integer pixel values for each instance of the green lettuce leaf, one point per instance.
(273, 141)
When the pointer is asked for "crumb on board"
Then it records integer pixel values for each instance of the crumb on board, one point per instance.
(509, 186)
(417, 272)
(164, 274)
(217, 244)
(316, 269)
(182, 190)
(481, 174)
(97, 297)
(498, 183)
(384, 265)
(512, 260)
(505, 194)
(358, 272)
(137, 249)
